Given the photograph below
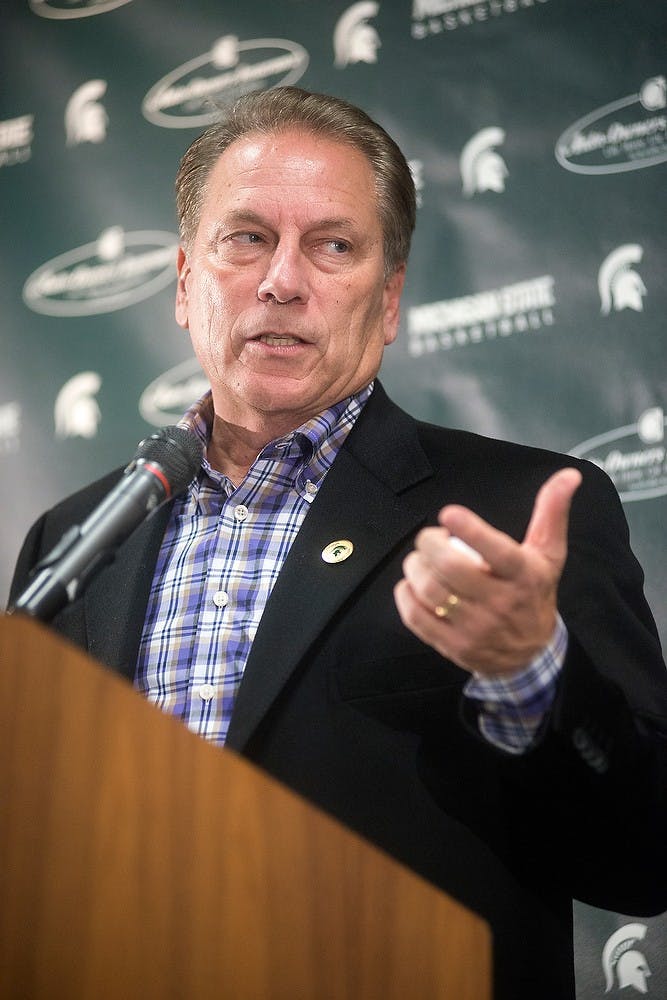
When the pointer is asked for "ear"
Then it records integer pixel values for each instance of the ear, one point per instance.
(182, 271)
(393, 290)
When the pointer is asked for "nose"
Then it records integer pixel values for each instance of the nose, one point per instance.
(286, 278)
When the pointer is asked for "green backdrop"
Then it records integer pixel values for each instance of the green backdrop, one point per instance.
(537, 134)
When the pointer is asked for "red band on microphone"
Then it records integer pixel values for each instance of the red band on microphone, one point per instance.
(159, 474)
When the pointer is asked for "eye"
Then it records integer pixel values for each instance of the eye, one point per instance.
(336, 248)
(240, 245)
(247, 239)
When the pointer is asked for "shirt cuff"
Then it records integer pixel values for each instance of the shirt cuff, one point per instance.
(511, 709)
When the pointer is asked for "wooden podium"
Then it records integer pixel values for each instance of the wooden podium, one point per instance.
(137, 861)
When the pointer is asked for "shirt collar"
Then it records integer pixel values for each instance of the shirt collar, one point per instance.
(310, 437)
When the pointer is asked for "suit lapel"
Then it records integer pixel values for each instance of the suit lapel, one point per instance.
(381, 459)
(115, 601)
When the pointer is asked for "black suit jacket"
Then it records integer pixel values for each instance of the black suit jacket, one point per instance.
(342, 703)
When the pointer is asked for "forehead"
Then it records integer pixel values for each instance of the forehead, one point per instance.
(292, 165)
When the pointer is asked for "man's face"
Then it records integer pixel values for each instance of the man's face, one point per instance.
(283, 288)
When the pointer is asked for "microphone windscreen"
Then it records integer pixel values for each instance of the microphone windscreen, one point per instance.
(176, 450)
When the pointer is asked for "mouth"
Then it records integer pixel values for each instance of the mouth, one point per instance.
(278, 340)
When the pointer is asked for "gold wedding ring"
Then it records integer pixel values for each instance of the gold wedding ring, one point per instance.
(444, 610)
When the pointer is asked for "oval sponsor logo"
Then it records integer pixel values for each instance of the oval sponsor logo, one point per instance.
(190, 95)
(627, 134)
(67, 9)
(634, 456)
(167, 398)
(115, 271)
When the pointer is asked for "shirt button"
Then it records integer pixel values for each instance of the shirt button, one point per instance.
(311, 488)
(206, 692)
(240, 512)
(221, 599)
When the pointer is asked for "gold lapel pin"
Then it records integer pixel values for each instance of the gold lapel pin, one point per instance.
(338, 551)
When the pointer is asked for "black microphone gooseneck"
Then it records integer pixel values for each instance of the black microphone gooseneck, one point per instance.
(163, 466)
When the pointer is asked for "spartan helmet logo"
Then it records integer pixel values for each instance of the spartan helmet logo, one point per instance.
(85, 119)
(621, 961)
(76, 411)
(618, 284)
(482, 168)
(354, 40)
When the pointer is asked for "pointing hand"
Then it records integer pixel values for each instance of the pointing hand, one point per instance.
(494, 612)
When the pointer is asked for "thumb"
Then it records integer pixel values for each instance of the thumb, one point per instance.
(547, 531)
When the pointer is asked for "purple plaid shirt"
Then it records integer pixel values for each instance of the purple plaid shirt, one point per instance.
(223, 549)
(221, 555)
(511, 709)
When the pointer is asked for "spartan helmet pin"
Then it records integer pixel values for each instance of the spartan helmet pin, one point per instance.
(338, 551)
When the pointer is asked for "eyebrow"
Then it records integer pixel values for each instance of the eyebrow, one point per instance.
(250, 217)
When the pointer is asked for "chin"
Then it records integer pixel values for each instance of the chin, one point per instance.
(278, 400)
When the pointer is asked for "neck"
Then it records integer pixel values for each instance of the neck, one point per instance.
(233, 448)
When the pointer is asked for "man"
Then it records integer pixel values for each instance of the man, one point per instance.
(476, 687)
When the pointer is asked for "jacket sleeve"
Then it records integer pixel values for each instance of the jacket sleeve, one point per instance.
(595, 784)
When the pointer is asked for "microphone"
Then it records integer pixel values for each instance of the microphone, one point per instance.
(163, 466)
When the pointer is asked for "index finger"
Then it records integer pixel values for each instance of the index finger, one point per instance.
(500, 551)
